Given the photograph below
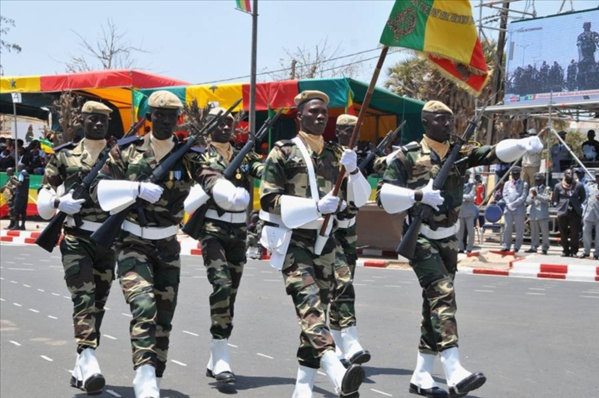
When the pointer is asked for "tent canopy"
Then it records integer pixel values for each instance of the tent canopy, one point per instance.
(113, 86)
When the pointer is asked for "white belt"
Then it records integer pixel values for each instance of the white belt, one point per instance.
(350, 222)
(151, 233)
(276, 219)
(86, 225)
(233, 218)
(441, 232)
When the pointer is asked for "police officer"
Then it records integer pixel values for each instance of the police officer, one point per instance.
(88, 268)
(223, 236)
(568, 196)
(342, 315)
(295, 193)
(538, 199)
(19, 207)
(148, 253)
(515, 192)
(407, 183)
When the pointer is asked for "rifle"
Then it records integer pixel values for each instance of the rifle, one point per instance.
(106, 234)
(193, 225)
(380, 148)
(49, 237)
(407, 246)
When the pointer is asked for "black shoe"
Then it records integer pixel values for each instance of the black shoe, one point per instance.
(209, 373)
(11, 225)
(544, 252)
(531, 250)
(94, 384)
(435, 392)
(472, 382)
(346, 364)
(222, 377)
(21, 228)
(352, 379)
(504, 249)
(360, 357)
(564, 254)
(583, 255)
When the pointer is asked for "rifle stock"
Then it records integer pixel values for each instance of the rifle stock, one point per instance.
(380, 148)
(193, 224)
(407, 246)
(108, 231)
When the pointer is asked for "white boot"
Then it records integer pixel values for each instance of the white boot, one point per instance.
(459, 380)
(89, 369)
(219, 356)
(352, 348)
(304, 382)
(158, 382)
(339, 349)
(422, 382)
(76, 379)
(345, 381)
(145, 383)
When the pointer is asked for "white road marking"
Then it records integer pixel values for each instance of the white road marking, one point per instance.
(22, 269)
(125, 314)
(52, 317)
(178, 363)
(380, 392)
(322, 373)
(537, 288)
(15, 282)
(24, 285)
(484, 291)
(191, 333)
(535, 294)
(360, 284)
(55, 294)
(10, 262)
(265, 356)
(41, 290)
(266, 272)
(1, 299)
(47, 358)
(232, 345)
(595, 297)
(392, 286)
(14, 342)
(114, 394)
(67, 297)
(18, 305)
(1, 279)
(45, 261)
(107, 309)
(490, 286)
(32, 310)
(109, 336)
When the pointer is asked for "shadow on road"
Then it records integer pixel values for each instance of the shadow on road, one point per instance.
(128, 392)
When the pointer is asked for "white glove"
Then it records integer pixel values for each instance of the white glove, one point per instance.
(343, 205)
(150, 192)
(328, 204)
(432, 197)
(69, 205)
(240, 199)
(349, 160)
(511, 207)
(531, 144)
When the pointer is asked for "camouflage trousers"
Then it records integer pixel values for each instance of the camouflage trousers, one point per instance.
(309, 280)
(342, 312)
(435, 265)
(88, 272)
(223, 251)
(149, 272)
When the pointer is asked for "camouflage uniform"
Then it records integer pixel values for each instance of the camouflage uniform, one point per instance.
(9, 190)
(223, 242)
(149, 270)
(308, 277)
(435, 261)
(88, 268)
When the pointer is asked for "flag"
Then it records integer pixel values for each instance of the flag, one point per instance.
(244, 5)
(444, 31)
(46, 146)
(139, 104)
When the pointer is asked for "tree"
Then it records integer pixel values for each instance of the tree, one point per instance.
(5, 25)
(323, 61)
(110, 51)
(68, 107)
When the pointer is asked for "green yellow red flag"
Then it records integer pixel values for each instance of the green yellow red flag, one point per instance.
(244, 5)
(46, 146)
(445, 32)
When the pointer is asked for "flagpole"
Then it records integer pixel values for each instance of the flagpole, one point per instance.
(252, 118)
(357, 127)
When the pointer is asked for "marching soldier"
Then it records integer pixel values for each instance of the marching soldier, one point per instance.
(342, 315)
(407, 183)
(223, 236)
(88, 268)
(9, 190)
(295, 192)
(148, 253)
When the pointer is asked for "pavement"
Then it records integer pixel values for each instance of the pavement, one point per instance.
(485, 259)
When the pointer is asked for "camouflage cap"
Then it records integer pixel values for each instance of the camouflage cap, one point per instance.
(346, 120)
(308, 95)
(436, 107)
(95, 107)
(165, 100)
(214, 111)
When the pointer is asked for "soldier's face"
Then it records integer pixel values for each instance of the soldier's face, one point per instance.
(344, 134)
(223, 132)
(313, 117)
(95, 126)
(164, 122)
(438, 126)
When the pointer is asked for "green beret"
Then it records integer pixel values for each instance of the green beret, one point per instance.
(165, 100)
(95, 107)
(214, 111)
(308, 95)
(436, 107)
(346, 120)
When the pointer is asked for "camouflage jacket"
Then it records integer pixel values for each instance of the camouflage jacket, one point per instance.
(415, 167)
(213, 165)
(285, 173)
(67, 168)
(9, 189)
(136, 163)
(351, 210)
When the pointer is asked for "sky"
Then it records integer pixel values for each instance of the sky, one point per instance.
(209, 41)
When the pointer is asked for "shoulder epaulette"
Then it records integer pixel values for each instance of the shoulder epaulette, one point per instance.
(66, 145)
(411, 146)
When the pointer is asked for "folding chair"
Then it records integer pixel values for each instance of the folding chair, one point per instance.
(493, 214)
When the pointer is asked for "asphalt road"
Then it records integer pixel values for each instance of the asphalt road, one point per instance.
(532, 338)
